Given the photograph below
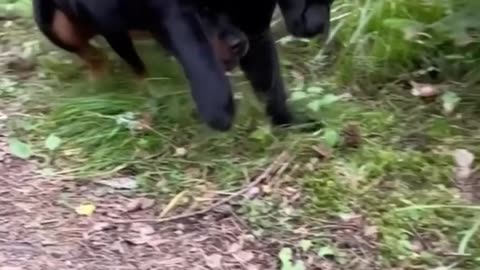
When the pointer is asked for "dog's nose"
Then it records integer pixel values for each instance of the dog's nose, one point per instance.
(239, 46)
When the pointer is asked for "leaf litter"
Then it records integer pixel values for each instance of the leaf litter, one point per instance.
(81, 235)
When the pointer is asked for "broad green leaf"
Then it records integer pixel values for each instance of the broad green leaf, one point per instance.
(326, 251)
(450, 101)
(326, 100)
(19, 149)
(53, 142)
(298, 95)
(285, 255)
(331, 137)
(261, 134)
(306, 245)
(315, 90)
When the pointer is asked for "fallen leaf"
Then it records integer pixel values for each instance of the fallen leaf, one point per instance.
(10, 268)
(450, 102)
(244, 256)
(120, 183)
(252, 193)
(145, 122)
(463, 158)
(180, 152)
(86, 209)
(101, 226)
(214, 261)
(139, 204)
(140, 239)
(142, 228)
(174, 202)
(305, 245)
(370, 231)
(235, 247)
(53, 142)
(285, 255)
(156, 241)
(463, 161)
(326, 251)
(19, 149)
(330, 137)
(322, 151)
(352, 137)
(143, 233)
(424, 90)
(348, 217)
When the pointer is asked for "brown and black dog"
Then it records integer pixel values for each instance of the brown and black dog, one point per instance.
(203, 45)
(177, 26)
(63, 23)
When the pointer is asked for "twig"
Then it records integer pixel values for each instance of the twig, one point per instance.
(267, 174)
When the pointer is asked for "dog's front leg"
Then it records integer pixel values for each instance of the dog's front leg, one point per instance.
(262, 68)
(180, 30)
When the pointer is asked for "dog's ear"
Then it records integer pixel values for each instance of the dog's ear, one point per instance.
(306, 18)
(179, 28)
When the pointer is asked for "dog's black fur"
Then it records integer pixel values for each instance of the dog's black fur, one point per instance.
(306, 18)
(261, 66)
(176, 24)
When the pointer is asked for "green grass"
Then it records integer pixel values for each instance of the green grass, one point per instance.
(400, 180)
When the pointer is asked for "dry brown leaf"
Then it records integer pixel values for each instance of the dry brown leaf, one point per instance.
(142, 228)
(463, 158)
(214, 261)
(252, 193)
(463, 163)
(322, 151)
(235, 247)
(370, 231)
(173, 203)
(424, 90)
(253, 267)
(244, 256)
(120, 183)
(101, 226)
(352, 136)
(140, 239)
(156, 241)
(139, 204)
(10, 268)
(145, 122)
(143, 234)
(180, 152)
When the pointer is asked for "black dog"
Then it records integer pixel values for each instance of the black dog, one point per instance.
(261, 65)
(306, 18)
(176, 24)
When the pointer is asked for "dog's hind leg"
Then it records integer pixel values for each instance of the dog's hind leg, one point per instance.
(122, 44)
(75, 38)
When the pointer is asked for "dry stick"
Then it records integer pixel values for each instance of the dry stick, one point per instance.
(268, 173)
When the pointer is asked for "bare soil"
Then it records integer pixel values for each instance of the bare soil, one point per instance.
(40, 229)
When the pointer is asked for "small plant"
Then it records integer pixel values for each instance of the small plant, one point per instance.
(286, 259)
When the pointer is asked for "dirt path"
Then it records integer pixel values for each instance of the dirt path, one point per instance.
(40, 229)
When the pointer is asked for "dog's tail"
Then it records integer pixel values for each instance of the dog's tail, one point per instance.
(44, 15)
